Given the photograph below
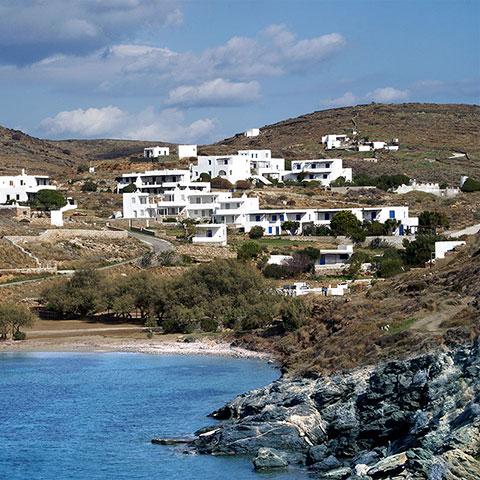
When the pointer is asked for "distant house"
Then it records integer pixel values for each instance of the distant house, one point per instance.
(21, 188)
(187, 151)
(441, 248)
(324, 171)
(334, 258)
(210, 234)
(433, 188)
(252, 132)
(155, 152)
(334, 141)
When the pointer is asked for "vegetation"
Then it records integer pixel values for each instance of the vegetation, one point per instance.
(256, 232)
(249, 251)
(224, 292)
(471, 185)
(243, 185)
(383, 182)
(81, 168)
(428, 222)
(221, 183)
(48, 199)
(14, 316)
(419, 251)
(89, 186)
(129, 188)
(290, 227)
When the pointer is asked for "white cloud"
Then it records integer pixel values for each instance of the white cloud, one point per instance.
(347, 98)
(113, 122)
(35, 29)
(218, 92)
(387, 94)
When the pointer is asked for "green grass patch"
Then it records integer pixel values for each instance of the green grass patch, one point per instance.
(401, 326)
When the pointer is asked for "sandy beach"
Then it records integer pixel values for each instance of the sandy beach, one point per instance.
(153, 346)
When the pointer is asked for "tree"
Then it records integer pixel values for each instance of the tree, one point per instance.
(256, 232)
(49, 199)
(205, 177)
(249, 251)
(82, 168)
(298, 264)
(374, 229)
(290, 226)
(89, 186)
(419, 251)
(311, 252)
(470, 185)
(14, 316)
(189, 227)
(345, 223)
(339, 182)
(390, 226)
(428, 222)
(273, 270)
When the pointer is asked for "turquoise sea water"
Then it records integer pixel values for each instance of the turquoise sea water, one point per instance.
(92, 416)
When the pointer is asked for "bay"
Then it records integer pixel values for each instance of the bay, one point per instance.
(93, 415)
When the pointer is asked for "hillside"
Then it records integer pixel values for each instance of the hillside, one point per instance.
(428, 135)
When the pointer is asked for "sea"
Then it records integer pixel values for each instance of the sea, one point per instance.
(87, 416)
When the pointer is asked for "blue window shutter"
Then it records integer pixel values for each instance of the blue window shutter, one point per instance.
(282, 218)
(269, 229)
(392, 213)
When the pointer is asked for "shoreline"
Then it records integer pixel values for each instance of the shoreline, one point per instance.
(101, 344)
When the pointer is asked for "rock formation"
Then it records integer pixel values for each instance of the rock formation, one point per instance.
(408, 419)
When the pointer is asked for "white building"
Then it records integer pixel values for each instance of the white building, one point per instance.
(334, 141)
(56, 216)
(20, 188)
(441, 248)
(210, 234)
(334, 258)
(323, 170)
(187, 151)
(231, 167)
(433, 188)
(155, 152)
(298, 289)
(252, 132)
(263, 165)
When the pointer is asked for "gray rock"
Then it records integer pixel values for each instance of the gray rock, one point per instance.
(337, 474)
(328, 463)
(317, 454)
(394, 463)
(269, 458)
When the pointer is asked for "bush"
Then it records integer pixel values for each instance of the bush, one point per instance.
(220, 183)
(273, 270)
(243, 185)
(339, 182)
(170, 220)
(256, 232)
(128, 189)
(19, 335)
(205, 177)
(81, 168)
(291, 203)
(388, 267)
(293, 314)
(171, 326)
(344, 223)
(89, 187)
(209, 325)
(249, 251)
(470, 185)
(16, 136)
(291, 227)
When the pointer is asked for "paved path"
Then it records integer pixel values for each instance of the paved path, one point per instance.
(158, 244)
(466, 231)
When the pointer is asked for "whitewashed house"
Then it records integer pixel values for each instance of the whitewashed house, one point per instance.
(56, 216)
(262, 165)
(433, 188)
(298, 289)
(252, 132)
(334, 258)
(441, 248)
(210, 234)
(334, 141)
(155, 152)
(187, 151)
(21, 188)
(231, 167)
(322, 170)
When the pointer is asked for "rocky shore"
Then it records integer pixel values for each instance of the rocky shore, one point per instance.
(408, 419)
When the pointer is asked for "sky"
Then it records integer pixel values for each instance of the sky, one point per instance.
(198, 71)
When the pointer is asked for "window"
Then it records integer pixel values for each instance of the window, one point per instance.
(225, 162)
(392, 214)
(270, 230)
(209, 162)
(282, 218)
(298, 216)
(311, 177)
(18, 196)
(343, 256)
(327, 216)
(298, 166)
(327, 165)
(274, 218)
(325, 175)
(209, 234)
(257, 218)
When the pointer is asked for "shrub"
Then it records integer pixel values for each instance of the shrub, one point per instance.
(388, 267)
(50, 199)
(19, 335)
(249, 251)
(339, 182)
(171, 326)
(170, 220)
(273, 270)
(243, 185)
(293, 314)
(470, 185)
(89, 187)
(209, 325)
(16, 136)
(81, 168)
(344, 223)
(256, 232)
(128, 189)
(291, 203)
(291, 227)
(205, 177)
(221, 183)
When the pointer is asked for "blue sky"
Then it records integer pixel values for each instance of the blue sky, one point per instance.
(202, 70)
